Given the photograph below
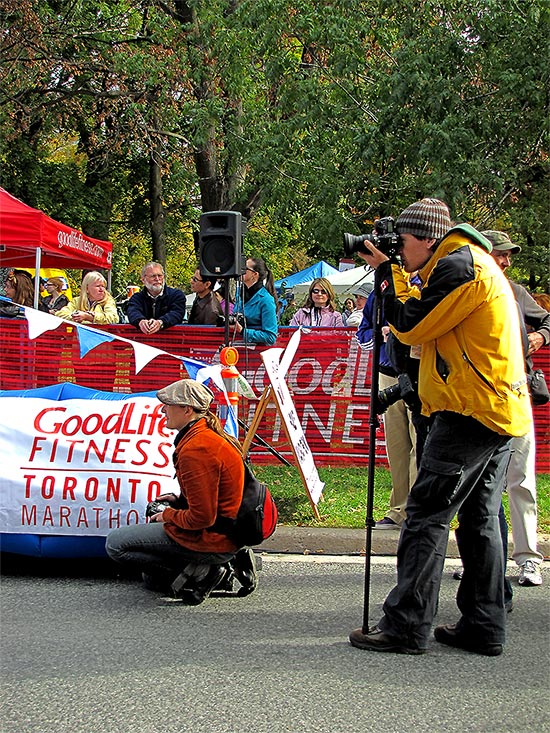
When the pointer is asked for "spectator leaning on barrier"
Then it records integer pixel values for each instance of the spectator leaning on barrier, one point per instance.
(521, 481)
(94, 305)
(349, 305)
(155, 306)
(256, 306)
(19, 287)
(56, 298)
(361, 293)
(472, 384)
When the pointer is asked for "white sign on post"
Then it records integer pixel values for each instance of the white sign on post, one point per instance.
(277, 362)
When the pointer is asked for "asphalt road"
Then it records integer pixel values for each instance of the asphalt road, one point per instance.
(83, 651)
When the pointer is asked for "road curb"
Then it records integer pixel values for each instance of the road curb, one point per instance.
(329, 541)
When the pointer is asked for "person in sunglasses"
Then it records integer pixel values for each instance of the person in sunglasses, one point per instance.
(256, 305)
(319, 308)
(206, 309)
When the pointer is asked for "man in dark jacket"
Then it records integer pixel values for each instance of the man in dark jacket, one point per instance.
(156, 306)
(206, 309)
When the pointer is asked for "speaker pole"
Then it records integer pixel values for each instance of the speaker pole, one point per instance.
(226, 313)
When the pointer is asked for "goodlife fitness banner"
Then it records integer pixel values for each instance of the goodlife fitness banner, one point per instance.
(81, 466)
(329, 381)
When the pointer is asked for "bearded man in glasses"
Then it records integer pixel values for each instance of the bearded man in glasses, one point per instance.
(155, 306)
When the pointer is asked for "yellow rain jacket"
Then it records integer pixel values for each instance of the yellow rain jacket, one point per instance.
(467, 321)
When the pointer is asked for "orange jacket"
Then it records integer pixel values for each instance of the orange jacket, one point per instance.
(210, 472)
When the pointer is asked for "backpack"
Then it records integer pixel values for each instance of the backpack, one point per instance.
(257, 516)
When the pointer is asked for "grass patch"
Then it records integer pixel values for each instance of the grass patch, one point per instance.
(344, 496)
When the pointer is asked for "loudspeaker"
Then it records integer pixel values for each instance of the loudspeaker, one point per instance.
(220, 244)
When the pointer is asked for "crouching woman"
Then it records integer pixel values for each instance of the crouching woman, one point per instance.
(178, 548)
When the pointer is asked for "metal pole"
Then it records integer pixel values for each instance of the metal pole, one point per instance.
(373, 425)
(37, 263)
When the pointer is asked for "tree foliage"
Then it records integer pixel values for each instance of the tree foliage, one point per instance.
(129, 117)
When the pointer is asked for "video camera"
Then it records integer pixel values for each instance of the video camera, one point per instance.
(385, 238)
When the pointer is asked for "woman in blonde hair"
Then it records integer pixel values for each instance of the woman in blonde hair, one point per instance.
(94, 303)
(319, 308)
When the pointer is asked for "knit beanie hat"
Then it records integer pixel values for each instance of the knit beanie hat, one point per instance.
(429, 219)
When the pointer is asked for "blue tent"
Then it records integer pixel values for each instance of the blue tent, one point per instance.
(320, 269)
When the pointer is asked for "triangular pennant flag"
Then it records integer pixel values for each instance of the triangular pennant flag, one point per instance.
(143, 354)
(193, 367)
(231, 426)
(213, 372)
(40, 322)
(89, 338)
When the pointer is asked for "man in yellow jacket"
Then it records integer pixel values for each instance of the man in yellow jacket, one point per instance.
(473, 389)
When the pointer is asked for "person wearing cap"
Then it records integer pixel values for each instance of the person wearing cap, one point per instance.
(521, 482)
(361, 293)
(472, 386)
(210, 472)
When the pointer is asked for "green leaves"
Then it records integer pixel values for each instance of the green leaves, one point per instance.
(317, 118)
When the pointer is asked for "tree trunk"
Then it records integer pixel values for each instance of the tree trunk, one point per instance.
(158, 234)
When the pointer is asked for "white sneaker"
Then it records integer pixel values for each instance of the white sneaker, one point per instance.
(529, 573)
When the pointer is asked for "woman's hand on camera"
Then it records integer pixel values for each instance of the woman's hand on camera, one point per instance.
(167, 497)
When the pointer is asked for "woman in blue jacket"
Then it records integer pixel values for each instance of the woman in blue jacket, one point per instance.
(257, 302)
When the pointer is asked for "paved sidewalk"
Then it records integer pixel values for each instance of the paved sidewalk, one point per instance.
(326, 541)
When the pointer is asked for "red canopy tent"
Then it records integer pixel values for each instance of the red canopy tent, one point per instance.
(30, 238)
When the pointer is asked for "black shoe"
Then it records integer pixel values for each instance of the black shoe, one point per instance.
(377, 641)
(197, 581)
(458, 573)
(226, 583)
(244, 567)
(450, 636)
(386, 523)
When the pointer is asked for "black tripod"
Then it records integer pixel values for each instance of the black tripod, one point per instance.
(373, 425)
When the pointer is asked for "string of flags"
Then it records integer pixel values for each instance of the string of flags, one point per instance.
(89, 338)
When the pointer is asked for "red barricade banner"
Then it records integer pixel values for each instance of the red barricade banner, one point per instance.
(329, 381)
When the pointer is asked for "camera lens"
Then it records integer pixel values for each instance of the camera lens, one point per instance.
(387, 397)
(353, 243)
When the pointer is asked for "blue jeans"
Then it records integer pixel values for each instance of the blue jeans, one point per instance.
(147, 547)
(463, 469)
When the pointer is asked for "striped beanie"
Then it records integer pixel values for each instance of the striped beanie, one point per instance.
(429, 219)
